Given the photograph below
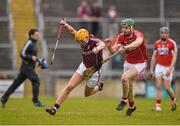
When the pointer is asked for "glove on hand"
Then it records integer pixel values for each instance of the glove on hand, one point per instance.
(43, 63)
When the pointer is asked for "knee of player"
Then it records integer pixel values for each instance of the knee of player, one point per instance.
(159, 88)
(124, 78)
(130, 90)
(35, 80)
(69, 88)
(168, 89)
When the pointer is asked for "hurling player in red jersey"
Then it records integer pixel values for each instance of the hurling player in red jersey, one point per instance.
(163, 60)
(131, 42)
(92, 55)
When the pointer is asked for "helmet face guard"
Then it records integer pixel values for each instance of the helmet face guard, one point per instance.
(164, 33)
(127, 26)
(82, 36)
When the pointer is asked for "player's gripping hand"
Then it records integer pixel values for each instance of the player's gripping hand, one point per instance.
(62, 22)
(168, 72)
(116, 47)
(151, 75)
(96, 49)
(43, 63)
(122, 49)
(34, 58)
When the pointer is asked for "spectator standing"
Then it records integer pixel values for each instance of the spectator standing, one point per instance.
(84, 12)
(95, 13)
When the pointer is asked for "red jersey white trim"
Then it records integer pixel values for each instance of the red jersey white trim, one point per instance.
(134, 55)
(164, 51)
(175, 46)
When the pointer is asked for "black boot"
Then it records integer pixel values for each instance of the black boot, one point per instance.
(121, 105)
(51, 111)
(3, 101)
(130, 111)
(38, 104)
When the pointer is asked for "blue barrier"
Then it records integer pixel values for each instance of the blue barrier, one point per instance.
(151, 89)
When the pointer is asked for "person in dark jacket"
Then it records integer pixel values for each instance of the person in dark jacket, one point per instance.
(27, 69)
(95, 13)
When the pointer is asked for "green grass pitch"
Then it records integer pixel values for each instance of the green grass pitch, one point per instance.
(87, 111)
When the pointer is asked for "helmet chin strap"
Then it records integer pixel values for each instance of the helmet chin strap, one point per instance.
(85, 42)
(132, 29)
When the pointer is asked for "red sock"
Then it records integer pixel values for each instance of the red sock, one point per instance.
(158, 101)
(124, 99)
(56, 106)
(131, 104)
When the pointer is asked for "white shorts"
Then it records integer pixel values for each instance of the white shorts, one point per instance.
(160, 71)
(94, 80)
(141, 67)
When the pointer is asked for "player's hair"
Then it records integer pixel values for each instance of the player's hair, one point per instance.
(32, 31)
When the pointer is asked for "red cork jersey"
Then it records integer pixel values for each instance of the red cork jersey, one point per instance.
(164, 51)
(134, 55)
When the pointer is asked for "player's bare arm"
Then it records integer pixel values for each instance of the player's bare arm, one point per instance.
(116, 47)
(173, 62)
(134, 44)
(109, 42)
(69, 28)
(100, 46)
(153, 63)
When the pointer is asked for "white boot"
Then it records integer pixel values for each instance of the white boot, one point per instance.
(158, 107)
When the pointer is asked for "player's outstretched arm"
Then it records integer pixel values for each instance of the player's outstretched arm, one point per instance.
(135, 44)
(110, 42)
(69, 28)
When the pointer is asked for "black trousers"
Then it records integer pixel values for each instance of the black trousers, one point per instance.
(26, 72)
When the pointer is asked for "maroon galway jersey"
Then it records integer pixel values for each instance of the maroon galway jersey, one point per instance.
(89, 58)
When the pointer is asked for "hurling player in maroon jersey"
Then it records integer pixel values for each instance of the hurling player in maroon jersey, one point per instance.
(91, 48)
